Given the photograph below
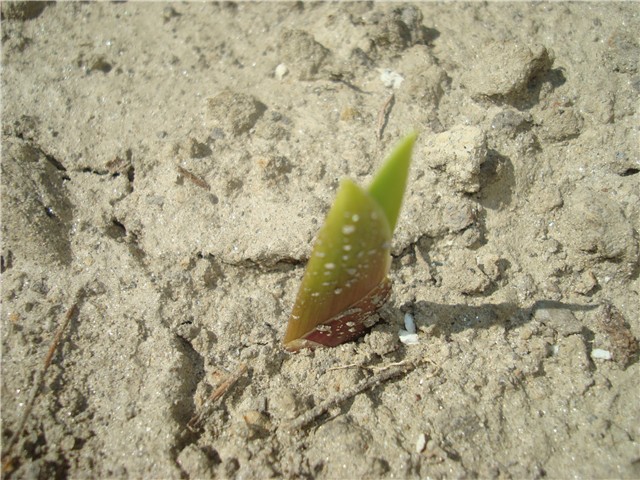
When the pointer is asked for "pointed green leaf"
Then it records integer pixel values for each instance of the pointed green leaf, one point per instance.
(349, 259)
(346, 278)
(389, 184)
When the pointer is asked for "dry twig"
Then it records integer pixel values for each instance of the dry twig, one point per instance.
(35, 389)
(342, 367)
(193, 178)
(373, 381)
(196, 421)
(383, 115)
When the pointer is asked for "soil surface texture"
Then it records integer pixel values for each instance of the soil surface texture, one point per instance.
(166, 168)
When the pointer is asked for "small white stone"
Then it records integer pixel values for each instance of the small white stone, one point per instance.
(281, 71)
(600, 354)
(409, 324)
(408, 338)
(421, 443)
(390, 78)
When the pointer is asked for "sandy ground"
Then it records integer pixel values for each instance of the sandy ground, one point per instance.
(165, 168)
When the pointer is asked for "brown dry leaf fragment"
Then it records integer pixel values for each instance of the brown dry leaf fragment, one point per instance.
(623, 345)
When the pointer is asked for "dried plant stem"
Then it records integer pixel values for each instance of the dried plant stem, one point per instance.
(205, 411)
(193, 178)
(383, 115)
(391, 365)
(373, 381)
(37, 384)
(342, 367)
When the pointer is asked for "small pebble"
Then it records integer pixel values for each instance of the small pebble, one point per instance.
(281, 71)
(408, 338)
(600, 354)
(408, 335)
(409, 324)
(421, 443)
(391, 79)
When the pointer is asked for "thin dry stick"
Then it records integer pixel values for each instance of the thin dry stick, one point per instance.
(365, 367)
(193, 178)
(383, 115)
(35, 389)
(391, 365)
(342, 367)
(205, 411)
(371, 382)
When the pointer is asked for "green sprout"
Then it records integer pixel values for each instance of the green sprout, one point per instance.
(346, 281)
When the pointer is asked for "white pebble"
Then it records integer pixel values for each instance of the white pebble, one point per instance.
(408, 335)
(281, 71)
(390, 78)
(408, 338)
(409, 324)
(421, 443)
(600, 354)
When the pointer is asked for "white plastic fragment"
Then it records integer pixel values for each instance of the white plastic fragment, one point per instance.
(600, 354)
(421, 443)
(390, 78)
(408, 335)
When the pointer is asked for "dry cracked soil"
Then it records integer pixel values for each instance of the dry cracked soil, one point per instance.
(166, 166)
